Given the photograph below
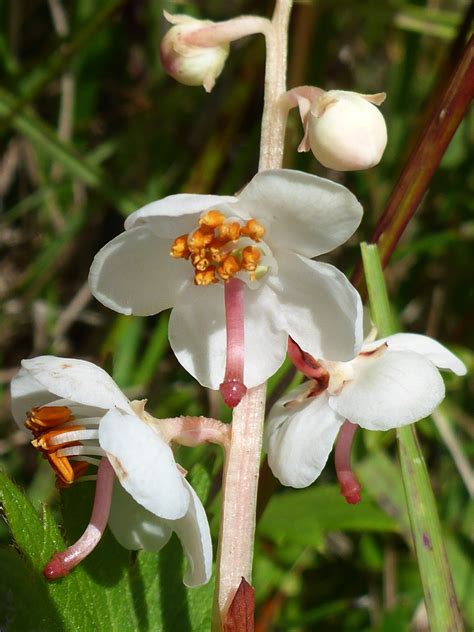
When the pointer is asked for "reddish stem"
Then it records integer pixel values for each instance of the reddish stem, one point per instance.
(301, 361)
(350, 487)
(233, 388)
(63, 562)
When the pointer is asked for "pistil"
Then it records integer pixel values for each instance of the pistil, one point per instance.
(63, 562)
(233, 387)
(349, 485)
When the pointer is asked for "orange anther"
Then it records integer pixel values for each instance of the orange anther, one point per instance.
(40, 419)
(229, 232)
(213, 219)
(199, 239)
(180, 249)
(250, 258)
(205, 277)
(253, 229)
(62, 468)
(228, 268)
(78, 469)
(44, 440)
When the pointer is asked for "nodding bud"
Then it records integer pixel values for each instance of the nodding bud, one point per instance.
(186, 62)
(346, 131)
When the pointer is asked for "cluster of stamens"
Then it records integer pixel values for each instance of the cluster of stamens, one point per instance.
(51, 435)
(211, 252)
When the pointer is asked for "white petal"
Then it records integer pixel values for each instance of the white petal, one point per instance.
(133, 526)
(193, 531)
(322, 309)
(301, 212)
(197, 334)
(176, 214)
(77, 380)
(389, 391)
(299, 440)
(135, 273)
(27, 393)
(144, 464)
(430, 349)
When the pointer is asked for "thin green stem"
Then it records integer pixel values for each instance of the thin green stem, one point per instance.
(440, 598)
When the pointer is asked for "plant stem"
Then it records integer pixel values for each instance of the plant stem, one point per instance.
(240, 481)
(440, 598)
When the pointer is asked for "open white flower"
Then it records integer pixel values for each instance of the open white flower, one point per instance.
(77, 414)
(392, 382)
(240, 272)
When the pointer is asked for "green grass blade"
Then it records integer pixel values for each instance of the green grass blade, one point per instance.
(440, 599)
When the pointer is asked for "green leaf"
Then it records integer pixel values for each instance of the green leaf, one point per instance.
(38, 538)
(19, 586)
(304, 516)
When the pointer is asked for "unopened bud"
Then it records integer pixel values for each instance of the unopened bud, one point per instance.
(187, 63)
(346, 131)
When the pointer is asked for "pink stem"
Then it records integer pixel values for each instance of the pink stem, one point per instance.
(297, 357)
(233, 388)
(63, 562)
(228, 31)
(350, 487)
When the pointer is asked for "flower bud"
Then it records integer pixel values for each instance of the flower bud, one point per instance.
(346, 131)
(187, 63)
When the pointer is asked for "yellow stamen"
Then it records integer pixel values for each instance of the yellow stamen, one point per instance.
(253, 229)
(228, 268)
(212, 249)
(213, 219)
(41, 421)
(180, 249)
(250, 258)
(206, 277)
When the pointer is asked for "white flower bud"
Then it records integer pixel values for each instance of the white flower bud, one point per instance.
(187, 63)
(346, 131)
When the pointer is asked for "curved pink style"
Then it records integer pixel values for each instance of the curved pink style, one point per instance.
(63, 562)
(233, 388)
(349, 485)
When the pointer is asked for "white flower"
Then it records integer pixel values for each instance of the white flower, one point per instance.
(392, 382)
(77, 413)
(265, 237)
(190, 64)
(344, 130)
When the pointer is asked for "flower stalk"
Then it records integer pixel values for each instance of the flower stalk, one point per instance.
(440, 598)
(240, 481)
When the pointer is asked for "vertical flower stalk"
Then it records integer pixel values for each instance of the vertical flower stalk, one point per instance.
(440, 598)
(236, 542)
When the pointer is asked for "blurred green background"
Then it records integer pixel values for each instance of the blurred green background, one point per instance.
(91, 128)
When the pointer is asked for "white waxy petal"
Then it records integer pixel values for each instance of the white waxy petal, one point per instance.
(197, 334)
(27, 393)
(299, 440)
(390, 390)
(133, 526)
(193, 531)
(322, 309)
(136, 274)
(429, 348)
(144, 464)
(76, 380)
(176, 214)
(301, 212)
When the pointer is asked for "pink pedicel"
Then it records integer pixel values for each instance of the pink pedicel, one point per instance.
(348, 483)
(63, 562)
(304, 362)
(233, 388)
